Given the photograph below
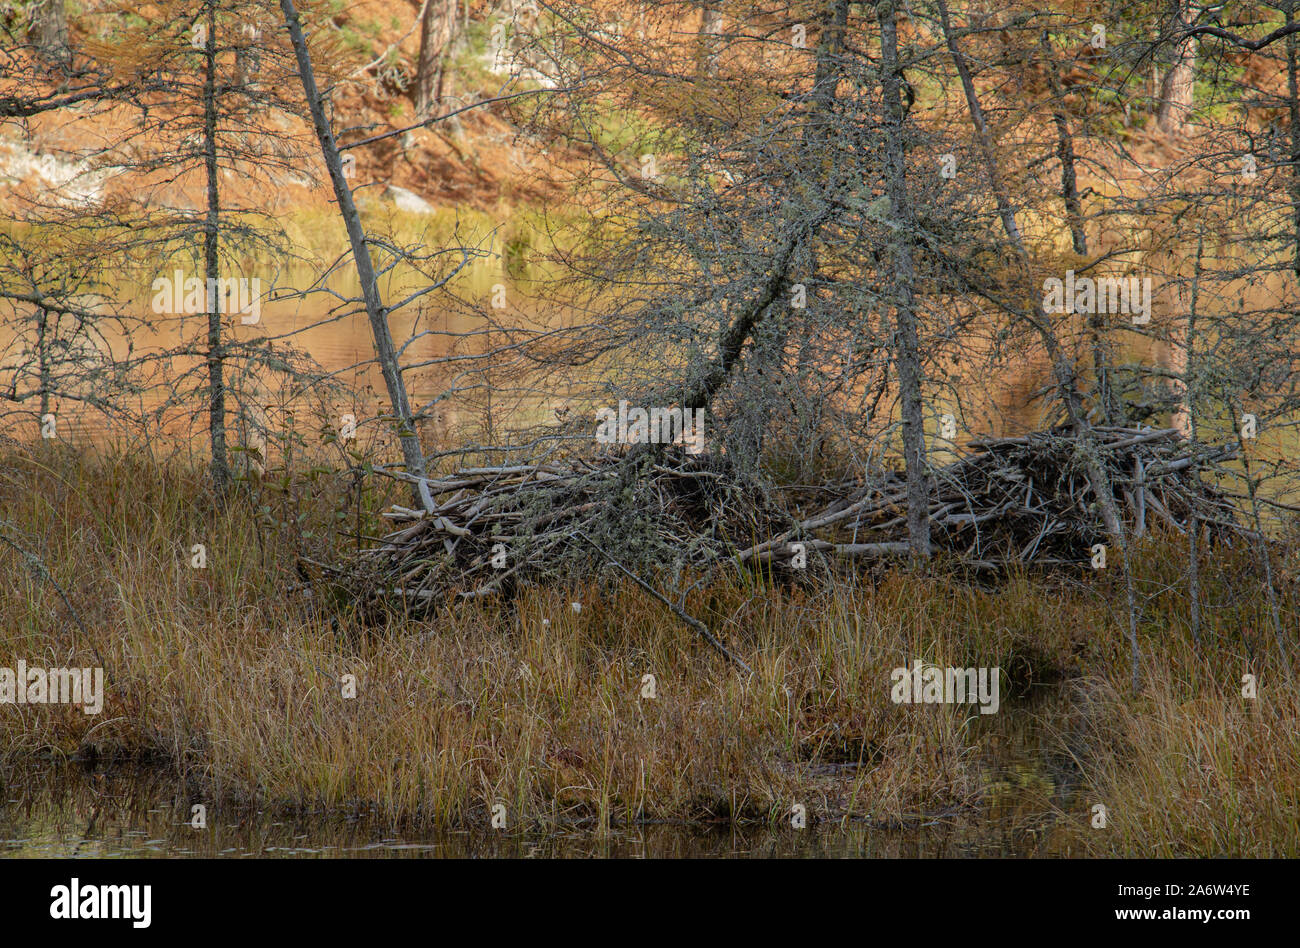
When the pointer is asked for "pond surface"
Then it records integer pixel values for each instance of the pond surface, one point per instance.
(1030, 809)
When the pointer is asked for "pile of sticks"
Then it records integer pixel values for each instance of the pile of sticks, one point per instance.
(1028, 500)
(1025, 499)
(485, 530)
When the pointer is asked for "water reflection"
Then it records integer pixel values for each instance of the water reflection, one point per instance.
(1029, 809)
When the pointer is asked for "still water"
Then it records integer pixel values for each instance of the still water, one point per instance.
(1029, 807)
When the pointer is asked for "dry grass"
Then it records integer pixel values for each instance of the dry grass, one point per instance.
(1193, 768)
(229, 682)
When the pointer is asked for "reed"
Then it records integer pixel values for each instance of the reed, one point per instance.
(230, 682)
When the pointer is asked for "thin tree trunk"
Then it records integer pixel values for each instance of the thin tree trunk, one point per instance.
(385, 351)
(710, 27)
(43, 358)
(1066, 378)
(747, 318)
(1189, 387)
(1293, 110)
(908, 344)
(50, 29)
(437, 27)
(1266, 557)
(829, 45)
(1107, 409)
(1178, 86)
(1064, 151)
(732, 341)
(211, 265)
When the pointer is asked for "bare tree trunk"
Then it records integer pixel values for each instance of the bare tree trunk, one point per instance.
(1293, 114)
(1189, 386)
(710, 27)
(1178, 86)
(50, 29)
(1066, 378)
(385, 351)
(1078, 237)
(1265, 556)
(437, 27)
(1064, 151)
(212, 264)
(829, 46)
(733, 339)
(908, 343)
(43, 357)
